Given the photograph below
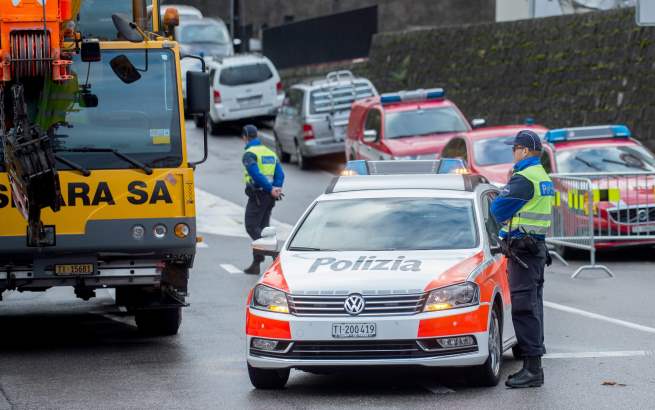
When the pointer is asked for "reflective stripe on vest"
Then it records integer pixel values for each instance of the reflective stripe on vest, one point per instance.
(535, 216)
(266, 162)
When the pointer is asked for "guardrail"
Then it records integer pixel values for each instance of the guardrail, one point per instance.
(599, 210)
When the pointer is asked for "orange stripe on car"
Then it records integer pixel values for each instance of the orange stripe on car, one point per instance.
(274, 277)
(458, 273)
(465, 323)
(265, 327)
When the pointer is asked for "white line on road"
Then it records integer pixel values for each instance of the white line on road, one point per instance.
(202, 245)
(231, 269)
(592, 355)
(591, 315)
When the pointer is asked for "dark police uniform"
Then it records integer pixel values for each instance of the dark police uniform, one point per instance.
(524, 207)
(262, 172)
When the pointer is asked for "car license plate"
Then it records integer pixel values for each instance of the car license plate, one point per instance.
(345, 330)
(74, 269)
(250, 101)
(644, 228)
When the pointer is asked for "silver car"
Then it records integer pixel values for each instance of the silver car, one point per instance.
(314, 116)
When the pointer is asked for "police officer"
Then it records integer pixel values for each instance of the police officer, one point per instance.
(524, 208)
(264, 177)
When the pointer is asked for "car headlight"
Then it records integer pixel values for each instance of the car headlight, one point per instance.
(266, 298)
(450, 297)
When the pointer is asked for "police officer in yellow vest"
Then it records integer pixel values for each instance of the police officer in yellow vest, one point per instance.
(264, 177)
(524, 208)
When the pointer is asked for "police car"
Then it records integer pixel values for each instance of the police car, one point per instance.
(396, 264)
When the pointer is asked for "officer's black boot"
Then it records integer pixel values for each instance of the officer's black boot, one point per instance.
(525, 364)
(532, 374)
(254, 269)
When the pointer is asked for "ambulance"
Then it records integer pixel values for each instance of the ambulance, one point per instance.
(398, 263)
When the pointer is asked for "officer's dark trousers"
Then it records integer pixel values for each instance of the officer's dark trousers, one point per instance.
(258, 211)
(526, 287)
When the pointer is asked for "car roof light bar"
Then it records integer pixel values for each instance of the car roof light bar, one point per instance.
(405, 167)
(414, 95)
(587, 133)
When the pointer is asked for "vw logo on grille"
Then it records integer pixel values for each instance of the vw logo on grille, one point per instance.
(642, 215)
(354, 304)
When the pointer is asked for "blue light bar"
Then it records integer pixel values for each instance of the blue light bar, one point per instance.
(401, 167)
(415, 95)
(587, 133)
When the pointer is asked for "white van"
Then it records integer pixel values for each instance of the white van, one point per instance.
(242, 87)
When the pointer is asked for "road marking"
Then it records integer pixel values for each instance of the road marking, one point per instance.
(437, 388)
(201, 245)
(231, 269)
(591, 315)
(217, 216)
(592, 355)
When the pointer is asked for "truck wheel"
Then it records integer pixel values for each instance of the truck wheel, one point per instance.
(159, 322)
(301, 160)
(268, 379)
(488, 374)
(284, 156)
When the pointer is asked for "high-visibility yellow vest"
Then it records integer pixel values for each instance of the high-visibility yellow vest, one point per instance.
(535, 216)
(266, 162)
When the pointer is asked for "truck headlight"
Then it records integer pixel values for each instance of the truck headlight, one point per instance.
(450, 297)
(270, 299)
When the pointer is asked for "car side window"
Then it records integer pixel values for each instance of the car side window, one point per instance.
(373, 121)
(456, 148)
(295, 102)
(490, 225)
(545, 161)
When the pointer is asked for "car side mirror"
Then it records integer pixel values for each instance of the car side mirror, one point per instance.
(370, 136)
(197, 92)
(495, 250)
(267, 245)
(478, 122)
(236, 42)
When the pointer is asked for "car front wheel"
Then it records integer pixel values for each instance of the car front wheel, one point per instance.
(488, 374)
(268, 379)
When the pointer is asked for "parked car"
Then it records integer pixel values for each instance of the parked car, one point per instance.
(314, 116)
(484, 151)
(245, 86)
(404, 125)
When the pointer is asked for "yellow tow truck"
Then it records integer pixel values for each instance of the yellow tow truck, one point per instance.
(126, 217)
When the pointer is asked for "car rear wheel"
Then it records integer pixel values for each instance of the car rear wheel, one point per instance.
(214, 127)
(284, 157)
(489, 373)
(268, 379)
(197, 119)
(301, 160)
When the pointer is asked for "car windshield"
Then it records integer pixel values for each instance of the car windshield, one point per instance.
(203, 33)
(140, 119)
(245, 74)
(413, 123)
(493, 151)
(617, 158)
(385, 224)
(95, 18)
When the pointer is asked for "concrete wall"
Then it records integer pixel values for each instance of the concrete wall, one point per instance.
(563, 71)
(394, 14)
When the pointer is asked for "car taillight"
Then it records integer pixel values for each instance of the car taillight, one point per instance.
(217, 97)
(307, 132)
(279, 87)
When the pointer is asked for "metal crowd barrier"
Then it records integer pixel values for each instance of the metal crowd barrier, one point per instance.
(596, 210)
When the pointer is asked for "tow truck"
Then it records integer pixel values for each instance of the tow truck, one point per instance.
(96, 189)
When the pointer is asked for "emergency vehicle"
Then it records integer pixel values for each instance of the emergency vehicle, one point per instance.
(395, 264)
(126, 217)
(404, 125)
(623, 204)
(484, 151)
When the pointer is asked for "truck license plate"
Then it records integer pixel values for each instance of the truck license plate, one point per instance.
(74, 269)
(344, 330)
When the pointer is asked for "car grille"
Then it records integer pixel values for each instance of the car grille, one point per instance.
(353, 350)
(633, 215)
(375, 305)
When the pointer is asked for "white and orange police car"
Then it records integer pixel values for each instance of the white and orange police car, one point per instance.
(398, 266)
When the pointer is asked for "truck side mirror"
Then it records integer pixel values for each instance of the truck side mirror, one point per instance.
(90, 50)
(197, 92)
(370, 136)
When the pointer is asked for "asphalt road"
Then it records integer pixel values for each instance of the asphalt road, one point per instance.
(59, 352)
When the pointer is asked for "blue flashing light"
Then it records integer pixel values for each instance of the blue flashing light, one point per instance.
(356, 167)
(587, 133)
(412, 96)
(451, 166)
